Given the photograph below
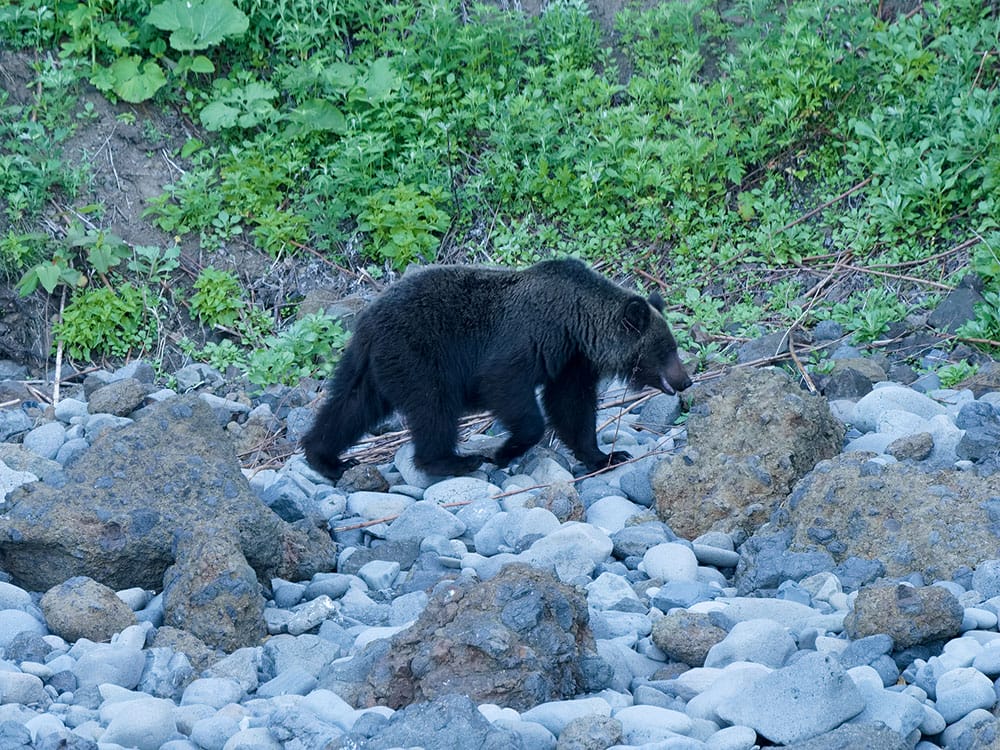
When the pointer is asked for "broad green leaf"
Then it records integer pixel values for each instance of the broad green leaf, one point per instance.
(218, 115)
(380, 80)
(316, 114)
(196, 64)
(48, 275)
(135, 85)
(198, 24)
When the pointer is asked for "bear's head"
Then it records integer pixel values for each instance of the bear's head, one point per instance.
(654, 349)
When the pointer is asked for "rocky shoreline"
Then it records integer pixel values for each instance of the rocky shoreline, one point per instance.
(757, 576)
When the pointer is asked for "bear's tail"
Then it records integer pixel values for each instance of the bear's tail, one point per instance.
(353, 405)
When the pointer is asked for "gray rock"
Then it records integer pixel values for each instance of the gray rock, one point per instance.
(198, 375)
(145, 723)
(758, 641)
(112, 663)
(520, 528)
(16, 621)
(24, 689)
(959, 692)
(986, 578)
(847, 382)
(958, 306)
(13, 422)
(899, 712)
(225, 409)
(636, 481)
(574, 549)
(293, 681)
(612, 513)
(635, 541)
(460, 490)
(450, 722)
(166, 674)
(854, 737)
(46, 439)
(307, 652)
(11, 479)
(659, 413)
(909, 615)
(976, 731)
(423, 518)
(765, 347)
(119, 397)
(981, 423)
(805, 699)
(212, 691)
(71, 450)
(891, 396)
(83, 608)
(113, 515)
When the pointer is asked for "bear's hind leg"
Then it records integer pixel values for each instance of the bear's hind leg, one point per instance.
(341, 420)
(434, 428)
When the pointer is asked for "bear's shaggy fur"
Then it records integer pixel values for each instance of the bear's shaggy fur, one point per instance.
(447, 340)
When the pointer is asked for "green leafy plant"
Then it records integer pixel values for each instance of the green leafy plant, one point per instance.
(404, 223)
(308, 348)
(869, 313)
(153, 263)
(218, 302)
(956, 372)
(107, 322)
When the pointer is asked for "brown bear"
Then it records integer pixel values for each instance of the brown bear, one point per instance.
(447, 340)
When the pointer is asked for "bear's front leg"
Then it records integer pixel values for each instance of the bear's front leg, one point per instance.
(571, 403)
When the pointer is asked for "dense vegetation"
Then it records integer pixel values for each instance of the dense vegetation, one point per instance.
(746, 156)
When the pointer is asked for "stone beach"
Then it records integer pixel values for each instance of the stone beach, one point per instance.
(524, 608)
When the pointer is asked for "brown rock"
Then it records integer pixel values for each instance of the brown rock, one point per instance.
(902, 515)
(517, 640)
(213, 593)
(83, 608)
(914, 447)
(686, 636)
(593, 732)
(113, 515)
(751, 436)
(562, 499)
(910, 614)
(119, 397)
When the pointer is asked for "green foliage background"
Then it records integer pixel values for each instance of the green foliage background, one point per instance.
(721, 148)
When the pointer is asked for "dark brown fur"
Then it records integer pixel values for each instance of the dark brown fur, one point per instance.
(446, 340)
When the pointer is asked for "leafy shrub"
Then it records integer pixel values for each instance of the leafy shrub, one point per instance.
(108, 322)
(404, 224)
(309, 348)
(218, 301)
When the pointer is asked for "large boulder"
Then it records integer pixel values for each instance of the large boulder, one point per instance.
(115, 514)
(905, 518)
(751, 435)
(519, 639)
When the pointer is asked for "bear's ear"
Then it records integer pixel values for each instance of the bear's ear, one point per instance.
(656, 301)
(637, 314)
